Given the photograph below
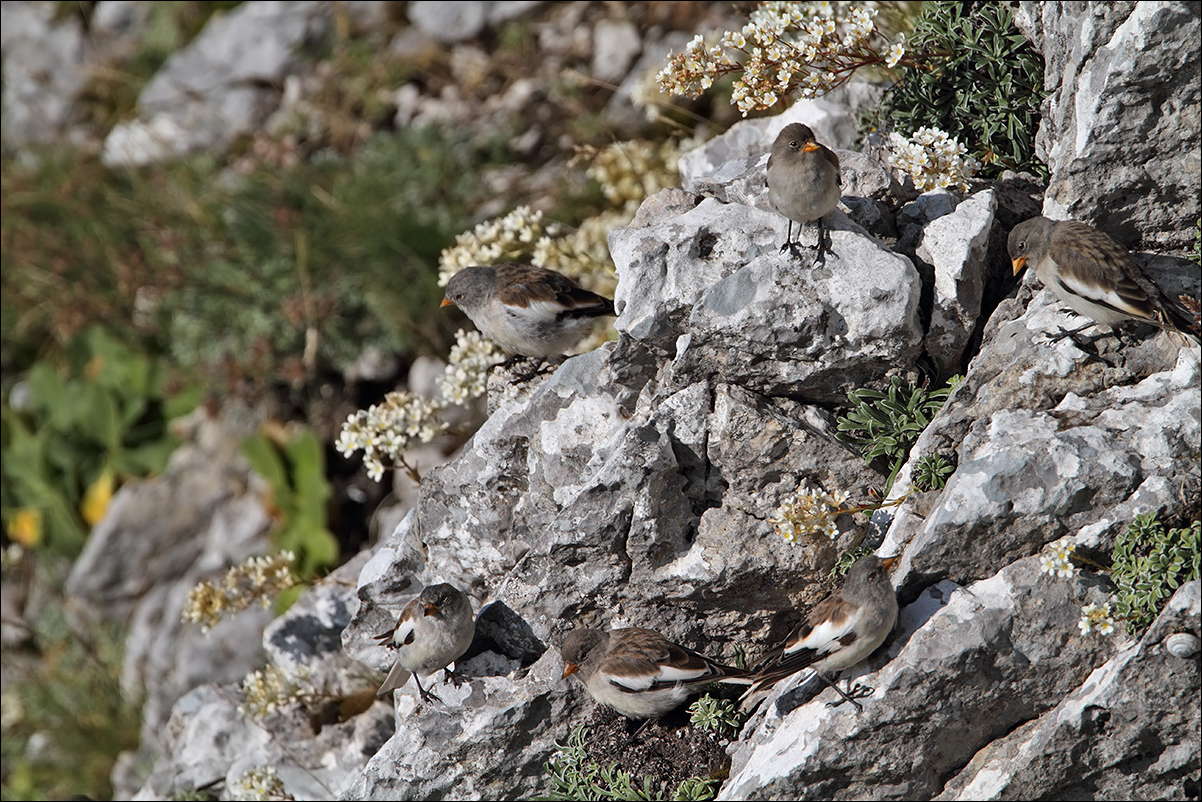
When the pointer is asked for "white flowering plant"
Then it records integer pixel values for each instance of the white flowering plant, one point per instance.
(1148, 563)
(809, 511)
(785, 49)
(385, 431)
(258, 579)
(932, 159)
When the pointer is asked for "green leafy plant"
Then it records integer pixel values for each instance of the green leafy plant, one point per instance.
(265, 279)
(294, 466)
(66, 717)
(849, 558)
(574, 776)
(696, 789)
(1150, 563)
(887, 424)
(715, 715)
(75, 431)
(986, 91)
(931, 472)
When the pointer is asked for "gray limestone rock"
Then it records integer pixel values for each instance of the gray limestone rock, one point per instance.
(1081, 748)
(44, 75)
(1122, 127)
(955, 246)
(458, 22)
(967, 666)
(219, 86)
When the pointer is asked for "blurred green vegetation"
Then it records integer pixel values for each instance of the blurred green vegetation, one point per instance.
(66, 717)
(293, 463)
(76, 430)
(269, 276)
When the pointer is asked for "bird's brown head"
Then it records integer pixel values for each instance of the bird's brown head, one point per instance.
(577, 646)
(795, 138)
(1026, 239)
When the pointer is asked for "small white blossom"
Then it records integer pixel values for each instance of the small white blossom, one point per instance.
(932, 159)
(1096, 617)
(1056, 558)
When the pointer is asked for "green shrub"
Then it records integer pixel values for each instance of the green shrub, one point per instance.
(986, 93)
(77, 432)
(1149, 564)
(887, 424)
(716, 715)
(270, 276)
(931, 472)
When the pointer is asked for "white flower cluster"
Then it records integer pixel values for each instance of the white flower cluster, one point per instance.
(466, 376)
(933, 159)
(385, 431)
(630, 172)
(272, 688)
(259, 783)
(503, 239)
(809, 512)
(583, 254)
(784, 48)
(259, 578)
(1056, 558)
(1096, 618)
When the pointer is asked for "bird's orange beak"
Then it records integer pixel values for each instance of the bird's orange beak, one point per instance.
(1018, 264)
(889, 562)
(445, 303)
(810, 146)
(430, 609)
(569, 669)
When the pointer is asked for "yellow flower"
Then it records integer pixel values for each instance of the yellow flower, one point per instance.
(97, 497)
(25, 528)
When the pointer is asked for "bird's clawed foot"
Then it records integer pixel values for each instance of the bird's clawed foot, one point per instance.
(426, 696)
(853, 693)
(455, 677)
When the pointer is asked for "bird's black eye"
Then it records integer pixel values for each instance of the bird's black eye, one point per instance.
(1022, 246)
(794, 144)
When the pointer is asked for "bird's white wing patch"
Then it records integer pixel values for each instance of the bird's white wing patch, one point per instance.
(403, 630)
(642, 682)
(824, 638)
(536, 312)
(1097, 294)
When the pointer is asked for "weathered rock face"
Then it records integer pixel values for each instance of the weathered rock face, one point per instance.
(43, 72)
(1081, 748)
(636, 484)
(219, 86)
(968, 665)
(1122, 127)
(632, 487)
(140, 562)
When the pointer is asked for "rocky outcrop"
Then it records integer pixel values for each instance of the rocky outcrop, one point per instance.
(1122, 126)
(636, 484)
